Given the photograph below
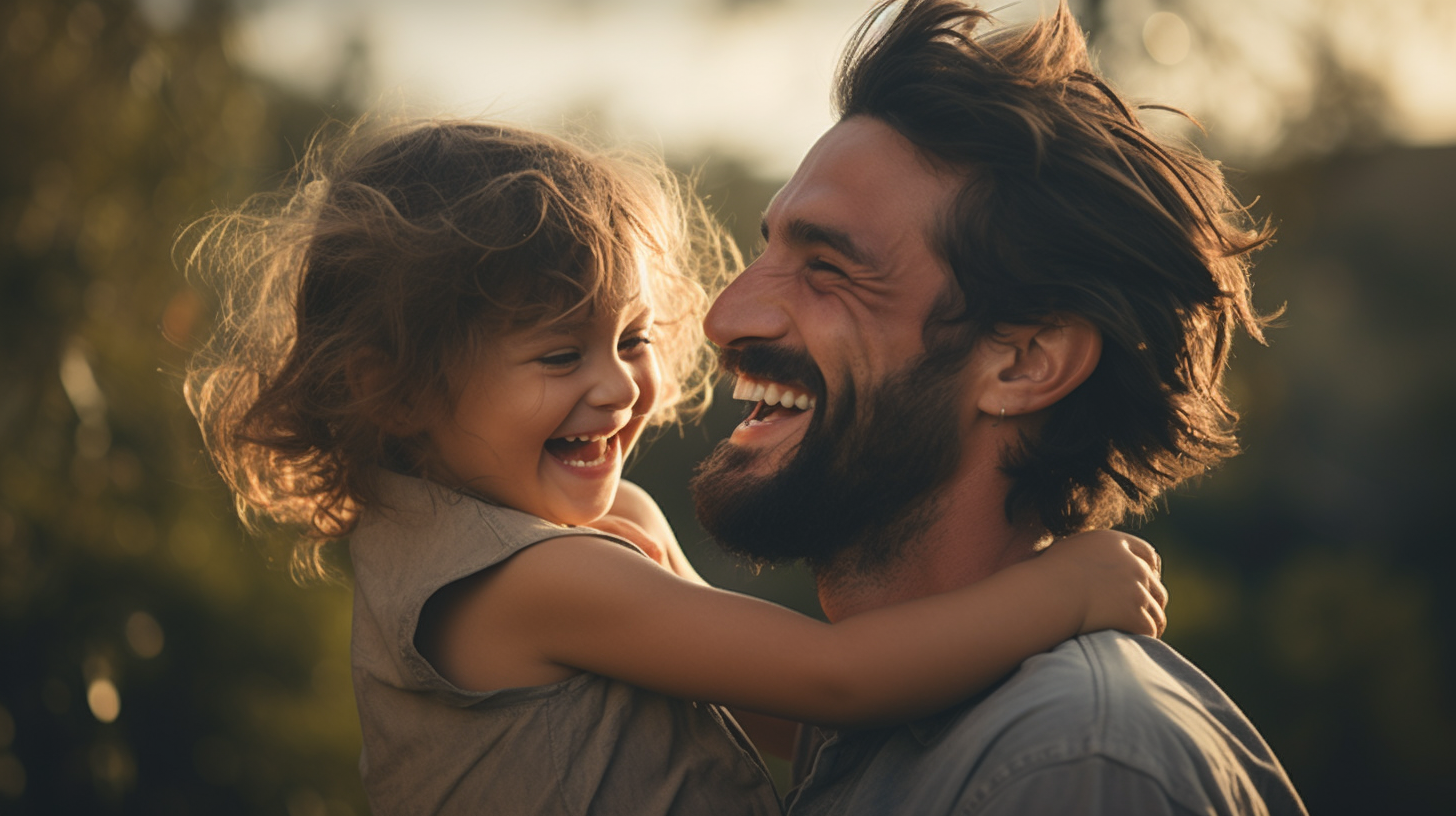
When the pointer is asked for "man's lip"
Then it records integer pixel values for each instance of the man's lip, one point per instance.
(762, 428)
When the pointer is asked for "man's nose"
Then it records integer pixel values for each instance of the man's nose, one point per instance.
(750, 309)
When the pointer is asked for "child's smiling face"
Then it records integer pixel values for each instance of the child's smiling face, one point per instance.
(546, 415)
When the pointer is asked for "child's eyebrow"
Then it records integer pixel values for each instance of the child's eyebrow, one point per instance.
(562, 327)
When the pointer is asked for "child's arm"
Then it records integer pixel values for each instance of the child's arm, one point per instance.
(582, 603)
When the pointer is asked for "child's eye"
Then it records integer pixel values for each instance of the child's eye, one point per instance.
(563, 359)
(636, 342)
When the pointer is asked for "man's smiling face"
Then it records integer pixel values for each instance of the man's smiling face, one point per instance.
(833, 313)
(848, 276)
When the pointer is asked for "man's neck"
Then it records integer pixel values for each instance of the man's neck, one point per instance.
(969, 539)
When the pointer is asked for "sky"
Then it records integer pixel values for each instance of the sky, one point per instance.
(751, 77)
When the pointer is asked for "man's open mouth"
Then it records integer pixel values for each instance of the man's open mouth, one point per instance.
(582, 451)
(773, 399)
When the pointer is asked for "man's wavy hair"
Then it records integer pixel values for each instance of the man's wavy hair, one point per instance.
(1071, 207)
(405, 249)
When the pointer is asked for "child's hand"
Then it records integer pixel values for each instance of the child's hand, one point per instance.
(633, 532)
(1118, 575)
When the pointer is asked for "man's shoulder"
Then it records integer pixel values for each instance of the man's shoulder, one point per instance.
(1120, 702)
(1106, 687)
(1103, 724)
(1096, 693)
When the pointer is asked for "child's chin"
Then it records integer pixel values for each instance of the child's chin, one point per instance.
(582, 515)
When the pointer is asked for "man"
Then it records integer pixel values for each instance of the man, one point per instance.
(1013, 307)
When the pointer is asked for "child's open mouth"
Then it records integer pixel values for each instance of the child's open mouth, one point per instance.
(774, 400)
(584, 451)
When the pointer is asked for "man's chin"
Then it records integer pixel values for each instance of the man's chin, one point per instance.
(734, 492)
(843, 484)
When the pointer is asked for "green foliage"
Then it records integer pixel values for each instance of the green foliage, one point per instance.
(123, 576)
(1315, 561)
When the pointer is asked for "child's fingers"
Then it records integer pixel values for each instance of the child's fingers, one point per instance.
(1145, 551)
(633, 532)
(1158, 590)
(1158, 614)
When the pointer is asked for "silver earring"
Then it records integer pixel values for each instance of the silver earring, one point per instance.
(1002, 416)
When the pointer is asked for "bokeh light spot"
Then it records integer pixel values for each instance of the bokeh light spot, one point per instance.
(1167, 38)
(134, 530)
(113, 766)
(180, 316)
(104, 700)
(144, 635)
(12, 777)
(189, 545)
(26, 33)
(306, 802)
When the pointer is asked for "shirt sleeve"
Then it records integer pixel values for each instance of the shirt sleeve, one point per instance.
(1091, 786)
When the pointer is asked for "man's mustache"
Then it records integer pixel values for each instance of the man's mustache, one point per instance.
(765, 361)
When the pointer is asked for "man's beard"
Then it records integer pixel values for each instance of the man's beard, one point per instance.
(863, 480)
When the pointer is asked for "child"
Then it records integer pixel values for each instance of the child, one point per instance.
(443, 346)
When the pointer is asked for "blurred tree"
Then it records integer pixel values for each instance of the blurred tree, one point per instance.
(1314, 561)
(152, 661)
(1305, 575)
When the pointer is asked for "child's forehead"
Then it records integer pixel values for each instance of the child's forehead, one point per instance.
(624, 308)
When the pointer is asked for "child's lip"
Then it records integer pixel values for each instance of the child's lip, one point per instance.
(603, 445)
(590, 436)
(600, 457)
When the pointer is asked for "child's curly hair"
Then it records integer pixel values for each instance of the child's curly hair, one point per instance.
(403, 249)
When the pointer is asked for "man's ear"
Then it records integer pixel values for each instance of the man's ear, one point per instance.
(367, 374)
(1029, 368)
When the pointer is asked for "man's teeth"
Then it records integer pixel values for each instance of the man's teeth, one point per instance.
(771, 394)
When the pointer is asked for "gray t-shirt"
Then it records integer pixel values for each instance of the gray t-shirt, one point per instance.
(586, 745)
(1105, 724)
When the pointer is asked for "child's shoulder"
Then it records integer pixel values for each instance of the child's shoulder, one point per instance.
(422, 531)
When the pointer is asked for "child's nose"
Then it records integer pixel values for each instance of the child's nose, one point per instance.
(615, 387)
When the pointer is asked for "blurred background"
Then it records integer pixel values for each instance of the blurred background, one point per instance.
(155, 660)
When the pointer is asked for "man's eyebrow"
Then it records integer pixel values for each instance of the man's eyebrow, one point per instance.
(799, 231)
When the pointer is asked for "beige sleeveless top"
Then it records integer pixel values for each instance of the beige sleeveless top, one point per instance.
(587, 745)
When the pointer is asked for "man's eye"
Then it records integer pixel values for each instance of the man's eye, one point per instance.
(562, 360)
(821, 265)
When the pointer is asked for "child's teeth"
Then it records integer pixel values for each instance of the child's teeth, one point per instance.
(593, 463)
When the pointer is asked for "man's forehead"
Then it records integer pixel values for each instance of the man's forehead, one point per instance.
(862, 178)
